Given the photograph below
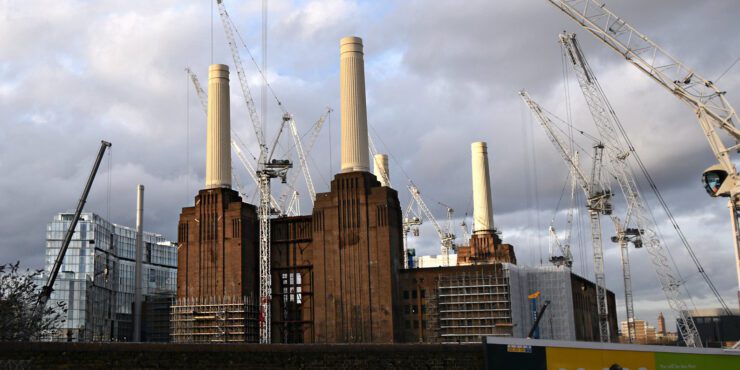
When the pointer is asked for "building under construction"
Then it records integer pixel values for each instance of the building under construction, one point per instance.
(337, 274)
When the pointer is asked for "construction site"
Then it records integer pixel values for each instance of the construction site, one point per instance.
(258, 269)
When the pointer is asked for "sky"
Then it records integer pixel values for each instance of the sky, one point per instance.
(439, 75)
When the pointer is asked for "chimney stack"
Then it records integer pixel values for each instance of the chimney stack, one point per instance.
(137, 267)
(218, 142)
(482, 208)
(353, 109)
(381, 169)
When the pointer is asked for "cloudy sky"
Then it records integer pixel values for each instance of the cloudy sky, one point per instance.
(440, 75)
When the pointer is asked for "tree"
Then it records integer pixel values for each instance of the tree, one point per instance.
(19, 320)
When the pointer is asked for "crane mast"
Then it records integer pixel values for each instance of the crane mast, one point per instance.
(713, 110)
(268, 168)
(637, 213)
(598, 203)
(411, 222)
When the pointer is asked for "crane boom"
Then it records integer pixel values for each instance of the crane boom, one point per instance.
(669, 72)
(312, 134)
(48, 288)
(637, 213)
(302, 158)
(247, 94)
(597, 202)
(447, 239)
(712, 108)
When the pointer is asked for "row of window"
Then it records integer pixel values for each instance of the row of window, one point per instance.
(412, 309)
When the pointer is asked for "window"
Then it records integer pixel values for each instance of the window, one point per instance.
(423, 293)
(405, 294)
(413, 294)
(408, 324)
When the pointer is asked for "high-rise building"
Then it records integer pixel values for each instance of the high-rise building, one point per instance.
(96, 279)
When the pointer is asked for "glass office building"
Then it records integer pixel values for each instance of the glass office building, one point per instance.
(96, 280)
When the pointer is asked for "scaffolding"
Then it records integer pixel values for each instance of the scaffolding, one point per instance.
(471, 306)
(215, 320)
(554, 285)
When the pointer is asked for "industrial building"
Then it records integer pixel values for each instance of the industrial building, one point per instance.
(716, 328)
(337, 275)
(96, 282)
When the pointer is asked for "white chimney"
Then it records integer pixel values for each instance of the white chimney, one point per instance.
(482, 208)
(381, 169)
(218, 141)
(137, 266)
(353, 109)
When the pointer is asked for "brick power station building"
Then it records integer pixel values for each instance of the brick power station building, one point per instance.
(337, 274)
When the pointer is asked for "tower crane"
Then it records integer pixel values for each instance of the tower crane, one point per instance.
(447, 239)
(715, 114)
(246, 92)
(411, 223)
(598, 203)
(637, 213)
(303, 154)
(268, 168)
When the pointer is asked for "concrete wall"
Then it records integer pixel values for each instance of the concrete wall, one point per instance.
(242, 356)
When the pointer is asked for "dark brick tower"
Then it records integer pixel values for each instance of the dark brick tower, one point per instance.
(217, 237)
(217, 241)
(357, 251)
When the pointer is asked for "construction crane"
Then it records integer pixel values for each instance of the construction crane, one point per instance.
(268, 168)
(446, 238)
(464, 230)
(566, 257)
(303, 154)
(246, 92)
(598, 203)
(637, 213)
(48, 288)
(411, 222)
(715, 114)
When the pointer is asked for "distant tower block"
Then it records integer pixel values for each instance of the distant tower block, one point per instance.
(381, 169)
(353, 108)
(483, 210)
(218, 142)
